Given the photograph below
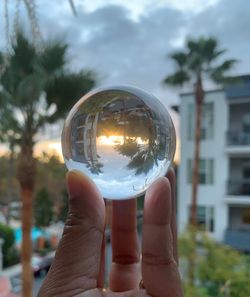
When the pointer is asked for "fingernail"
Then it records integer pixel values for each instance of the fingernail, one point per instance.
(74, 182)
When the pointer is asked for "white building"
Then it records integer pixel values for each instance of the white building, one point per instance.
(224, 189)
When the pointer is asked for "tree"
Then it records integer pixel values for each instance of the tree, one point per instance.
(220, 271)
(64, 207)
(43, 209)
(10, 255)
(197, 62)
(37, 88)
(30, 6)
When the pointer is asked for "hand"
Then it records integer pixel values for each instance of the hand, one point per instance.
(78, 267)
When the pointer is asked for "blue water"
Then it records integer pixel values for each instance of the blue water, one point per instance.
(35, 233)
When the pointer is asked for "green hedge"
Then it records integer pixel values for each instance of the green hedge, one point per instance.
(10, 255)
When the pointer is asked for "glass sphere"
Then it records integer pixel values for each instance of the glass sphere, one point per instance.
(122, 138)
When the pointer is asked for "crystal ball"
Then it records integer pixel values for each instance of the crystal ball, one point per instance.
(122, 138)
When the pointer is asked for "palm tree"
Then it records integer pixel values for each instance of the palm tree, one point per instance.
(38, 89)
(197, 62)
(31, 9)
(200, 60)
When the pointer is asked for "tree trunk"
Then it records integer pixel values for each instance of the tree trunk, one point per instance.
(26, 177)
(10, 182)
(27, 274)
(196, 162)
(199, 95)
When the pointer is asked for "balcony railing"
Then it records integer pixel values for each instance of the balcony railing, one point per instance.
(238, 239)
(238, 138)
(239, 187)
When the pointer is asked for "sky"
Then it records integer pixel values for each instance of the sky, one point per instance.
(128, 42)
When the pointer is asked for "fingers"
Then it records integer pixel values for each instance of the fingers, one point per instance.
(77, 261)
(159, 269)
(172, 180)
(126, 256)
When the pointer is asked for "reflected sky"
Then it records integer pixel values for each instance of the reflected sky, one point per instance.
(122, 137)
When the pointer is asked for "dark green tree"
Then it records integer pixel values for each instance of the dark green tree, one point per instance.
(38, 88)
(220, 270)
(43, 209)
(201, 59)
(64, 207)
(198, 61)
(9, 252)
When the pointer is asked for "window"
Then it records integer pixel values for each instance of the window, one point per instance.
(206, 172)
(207, 121)
(246, 123)
(246, 216)
(205, 217)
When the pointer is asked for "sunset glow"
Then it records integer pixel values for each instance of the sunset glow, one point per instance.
(117, 139)
(51, 148)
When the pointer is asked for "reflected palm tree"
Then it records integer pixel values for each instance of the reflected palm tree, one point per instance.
(140, 125)
(144, 160)
(94, 167)
(143, 156)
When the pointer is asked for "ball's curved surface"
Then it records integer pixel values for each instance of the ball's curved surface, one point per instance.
(122, 138)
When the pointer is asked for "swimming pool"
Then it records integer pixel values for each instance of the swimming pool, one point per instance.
(35, 233)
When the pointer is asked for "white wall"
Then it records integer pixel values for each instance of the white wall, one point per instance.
(208, 195)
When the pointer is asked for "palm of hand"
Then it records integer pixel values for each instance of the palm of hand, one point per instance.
(78, 268)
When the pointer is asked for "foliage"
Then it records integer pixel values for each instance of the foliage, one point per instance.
(50, 174)
(200, 57)
(220, 270)
(4, 160)
(8, 236)
(43, 208)
(37, 88)
(64, 207)
(8, 248)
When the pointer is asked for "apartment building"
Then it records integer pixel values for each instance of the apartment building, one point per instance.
(224, 182)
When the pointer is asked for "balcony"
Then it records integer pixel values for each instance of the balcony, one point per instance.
(238, 138)
(239, 187)
(238, 239)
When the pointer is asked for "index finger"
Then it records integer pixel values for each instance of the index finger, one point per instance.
(76, 266)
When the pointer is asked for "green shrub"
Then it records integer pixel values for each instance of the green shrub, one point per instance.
(10, 255)
(219, 270)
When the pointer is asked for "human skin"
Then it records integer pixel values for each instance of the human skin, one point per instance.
(78, 267)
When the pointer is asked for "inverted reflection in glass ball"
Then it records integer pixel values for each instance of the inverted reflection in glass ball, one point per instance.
(122, 138)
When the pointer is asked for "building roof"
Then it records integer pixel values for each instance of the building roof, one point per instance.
(239, 88)
(175, 107)
(207, 92)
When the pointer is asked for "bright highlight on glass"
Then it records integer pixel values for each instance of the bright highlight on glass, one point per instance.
(122, 138)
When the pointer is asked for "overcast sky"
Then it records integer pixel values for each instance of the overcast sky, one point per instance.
(128, 41)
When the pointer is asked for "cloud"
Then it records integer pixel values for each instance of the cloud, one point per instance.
(123, 48)
(228, 21)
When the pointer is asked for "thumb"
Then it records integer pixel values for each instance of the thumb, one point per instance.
(77, 261)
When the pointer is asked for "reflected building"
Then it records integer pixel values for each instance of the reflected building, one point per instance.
(83, 138)
(83, 141)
